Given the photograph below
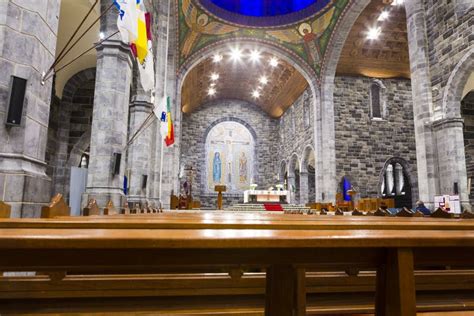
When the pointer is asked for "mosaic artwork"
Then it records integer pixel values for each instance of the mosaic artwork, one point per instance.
(229, 157)
(307, 39)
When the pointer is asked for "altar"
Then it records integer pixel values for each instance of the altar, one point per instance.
(266, 196)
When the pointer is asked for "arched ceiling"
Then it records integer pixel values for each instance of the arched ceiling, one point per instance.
(238, 79)
(385, 57)
(71, 14)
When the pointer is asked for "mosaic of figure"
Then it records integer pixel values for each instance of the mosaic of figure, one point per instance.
(217, 168)
(200, 25)
(243, 168)
(309, 33)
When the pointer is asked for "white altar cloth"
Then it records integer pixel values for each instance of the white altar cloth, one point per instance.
(266, 196)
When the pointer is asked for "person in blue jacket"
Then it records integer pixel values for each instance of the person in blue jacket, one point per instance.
(420, 206)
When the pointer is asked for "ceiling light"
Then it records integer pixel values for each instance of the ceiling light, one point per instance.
(217, 58)
(212, 85)
(273, 62)
(256, 94)
(397, 2)
(384, 15)
(235, 54)
(374, 33)
(255, 56)
(211, 91)
(214, 76)
(263, 80)
(101, 35)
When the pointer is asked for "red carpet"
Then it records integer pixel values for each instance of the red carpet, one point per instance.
(273, 207)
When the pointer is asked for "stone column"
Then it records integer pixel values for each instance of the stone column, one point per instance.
(451, 158)
(110, 115)
(28, 31)
(292, 188)
(304, 188)
(422, 102)
(139, 151)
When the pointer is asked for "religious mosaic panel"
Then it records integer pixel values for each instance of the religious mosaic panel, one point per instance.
(229, 157)
(308, 38)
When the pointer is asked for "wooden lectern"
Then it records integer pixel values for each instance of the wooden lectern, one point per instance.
(220, 189)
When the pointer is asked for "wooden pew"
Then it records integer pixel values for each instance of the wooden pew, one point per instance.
(57, 207)
(394, 253)
(5, 210)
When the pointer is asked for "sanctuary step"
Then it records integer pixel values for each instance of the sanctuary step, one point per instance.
(287, 208)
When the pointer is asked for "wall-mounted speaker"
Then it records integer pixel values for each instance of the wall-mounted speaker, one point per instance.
(16, 100)
(117, 160)
(144, 181)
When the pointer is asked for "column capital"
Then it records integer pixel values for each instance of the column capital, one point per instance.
(113, 47)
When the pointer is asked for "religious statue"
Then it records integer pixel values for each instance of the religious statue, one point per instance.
(199, 25)
(243, 168)
(217, 168)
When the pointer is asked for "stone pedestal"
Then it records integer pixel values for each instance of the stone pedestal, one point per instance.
(27, 48)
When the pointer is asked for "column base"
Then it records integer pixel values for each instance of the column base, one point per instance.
(103, 196)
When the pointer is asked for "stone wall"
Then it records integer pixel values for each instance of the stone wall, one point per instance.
(468, 116)
(297, 128)
(450, 33)
(363, 145)
(194, 128)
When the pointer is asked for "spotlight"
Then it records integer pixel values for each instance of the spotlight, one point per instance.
(256, 94)
(373, 33)
(235, 54)
(397, 2)
(273, 62)
(217, 58)
(263, 80)
(255, 56)
(214, 76)
(101, 35)
(212, 85)
(211, 92)
(384, 15)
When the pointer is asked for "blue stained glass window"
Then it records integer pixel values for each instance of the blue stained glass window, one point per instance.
(262, 8)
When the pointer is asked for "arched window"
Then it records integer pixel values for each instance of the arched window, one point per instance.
(377, 100)
(395, 183)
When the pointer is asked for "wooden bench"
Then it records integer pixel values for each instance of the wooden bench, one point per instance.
(287, 252)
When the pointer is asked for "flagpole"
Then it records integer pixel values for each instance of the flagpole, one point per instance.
(164, 94)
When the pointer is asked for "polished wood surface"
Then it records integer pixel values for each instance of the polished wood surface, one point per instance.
(5, 210)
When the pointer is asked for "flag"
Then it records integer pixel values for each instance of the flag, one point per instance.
(127, 21)
(161, 113)
(147, 71)
(169, 140)
(140, 45)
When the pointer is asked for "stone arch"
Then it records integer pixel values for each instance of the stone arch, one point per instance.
(62, 160)
(307, 176)
(294, 164)
(283, 170)
(455, 85)
(231, 119)
(79, 148)
(408, 171)
(327, 182)
(294, 168)
(306, 157)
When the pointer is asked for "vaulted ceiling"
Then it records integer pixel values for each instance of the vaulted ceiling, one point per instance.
(385, 57)
(239, 80)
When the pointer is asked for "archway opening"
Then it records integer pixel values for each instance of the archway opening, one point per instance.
(467, 112)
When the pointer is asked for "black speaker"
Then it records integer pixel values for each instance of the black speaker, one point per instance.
(456, 189)
(117, 160)
(16, 100)
(144, 181)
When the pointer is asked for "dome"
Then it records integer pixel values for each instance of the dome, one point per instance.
(263, 13)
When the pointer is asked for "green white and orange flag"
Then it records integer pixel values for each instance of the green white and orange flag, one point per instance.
(169, 139)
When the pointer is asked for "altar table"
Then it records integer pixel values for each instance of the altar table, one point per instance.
(266, 196)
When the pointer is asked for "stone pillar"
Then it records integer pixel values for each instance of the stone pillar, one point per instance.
(292, 188)
(110, 115)
(27, 48)
(422, 102)
(304, 188)
(139, 151)
(451, 158)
